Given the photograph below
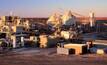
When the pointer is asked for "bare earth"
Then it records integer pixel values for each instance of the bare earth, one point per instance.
(35, 56)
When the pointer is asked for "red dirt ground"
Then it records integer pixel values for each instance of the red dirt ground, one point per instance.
(49, 57)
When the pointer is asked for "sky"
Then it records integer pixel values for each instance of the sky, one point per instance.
(44, 8)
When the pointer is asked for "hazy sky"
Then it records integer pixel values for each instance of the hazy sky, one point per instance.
(44, 8)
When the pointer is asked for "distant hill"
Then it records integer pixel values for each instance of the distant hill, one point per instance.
(43, 20)
(101, 18)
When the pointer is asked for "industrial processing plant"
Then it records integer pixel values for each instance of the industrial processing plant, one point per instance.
(53, 33)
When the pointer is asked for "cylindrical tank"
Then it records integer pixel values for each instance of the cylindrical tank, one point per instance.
(100, 51)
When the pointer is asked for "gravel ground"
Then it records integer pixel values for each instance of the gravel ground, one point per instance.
(35, 56)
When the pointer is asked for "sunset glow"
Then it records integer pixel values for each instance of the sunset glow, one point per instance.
(44, 8)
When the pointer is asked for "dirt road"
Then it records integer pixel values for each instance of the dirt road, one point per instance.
(49, 57)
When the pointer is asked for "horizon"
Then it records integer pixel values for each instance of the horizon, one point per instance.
(45, 8)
